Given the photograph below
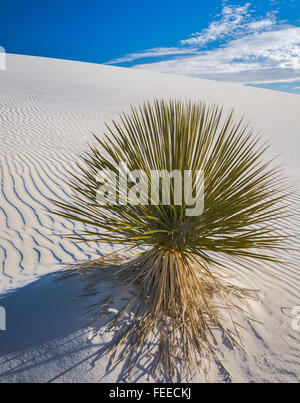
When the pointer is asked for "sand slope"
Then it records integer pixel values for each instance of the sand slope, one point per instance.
(48, 109)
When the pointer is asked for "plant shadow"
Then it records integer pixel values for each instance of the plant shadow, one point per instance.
(51, 323)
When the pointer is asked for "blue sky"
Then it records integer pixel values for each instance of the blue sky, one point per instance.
(251, 42)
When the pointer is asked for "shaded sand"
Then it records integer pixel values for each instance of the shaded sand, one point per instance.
(48, 109)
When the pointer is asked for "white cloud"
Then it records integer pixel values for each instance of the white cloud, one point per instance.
(288, 80)
(230, 21)
(155, 52)
(249, 49)
(258, 25)
(273, 54)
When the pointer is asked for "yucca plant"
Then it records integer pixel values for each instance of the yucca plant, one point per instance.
(178, 276)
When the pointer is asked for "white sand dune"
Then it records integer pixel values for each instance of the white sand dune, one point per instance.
(48, 109)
